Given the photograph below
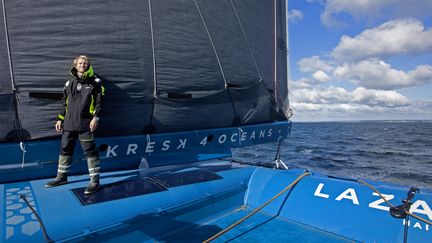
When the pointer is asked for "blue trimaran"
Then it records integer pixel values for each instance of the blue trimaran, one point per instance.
(186, 81)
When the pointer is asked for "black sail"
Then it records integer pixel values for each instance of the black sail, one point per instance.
(166, 65)
(7, 102)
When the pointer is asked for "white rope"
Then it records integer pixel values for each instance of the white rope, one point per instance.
(8, 45)
(211, 41)
(148, 141)
(240, 130)
(153, 50)
(247, 40)
(23, 150)
(278, 160)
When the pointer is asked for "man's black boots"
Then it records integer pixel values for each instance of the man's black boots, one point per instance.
(64, 163)
(92, 187)
(93, 164)
(60, 179)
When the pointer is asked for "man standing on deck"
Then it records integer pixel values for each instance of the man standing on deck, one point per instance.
(82, 103)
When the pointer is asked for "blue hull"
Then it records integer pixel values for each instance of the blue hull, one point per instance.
(38, 159)
(193, 202)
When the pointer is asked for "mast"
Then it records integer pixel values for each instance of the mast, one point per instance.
(287, 108)
(275, 52)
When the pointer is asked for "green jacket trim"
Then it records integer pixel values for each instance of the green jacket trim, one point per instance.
(89, 73)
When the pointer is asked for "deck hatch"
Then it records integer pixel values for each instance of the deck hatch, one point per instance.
(185, 177)
(131, 187)
(140, 185)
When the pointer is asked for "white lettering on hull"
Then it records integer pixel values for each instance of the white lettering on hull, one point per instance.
(418, 206)
(152, 146)
(132, 148)
(111, 150)
(349, 194)
(377, 204)
(318, 191)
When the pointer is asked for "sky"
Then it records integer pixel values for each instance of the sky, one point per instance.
(360, 59)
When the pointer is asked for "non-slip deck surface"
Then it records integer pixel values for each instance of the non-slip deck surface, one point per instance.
(258, 228)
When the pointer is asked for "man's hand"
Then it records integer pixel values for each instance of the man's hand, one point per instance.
(58, 126)
(94, 124)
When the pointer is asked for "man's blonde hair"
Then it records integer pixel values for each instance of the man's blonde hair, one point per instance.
(81, 57)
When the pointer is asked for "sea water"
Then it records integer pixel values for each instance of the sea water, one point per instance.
(391, 151)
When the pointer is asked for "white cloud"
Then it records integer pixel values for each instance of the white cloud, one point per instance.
(306, 106)
(318, 78)
(382, 98)
(422, 74)
(340, 97)
(364, 60)
(295, 16)
(376, 74)
(302, 83)
(348, 112)
(402, 36)
(335, 103)
(317, 96)
(373, 10)
(321, 76)
(313, 64)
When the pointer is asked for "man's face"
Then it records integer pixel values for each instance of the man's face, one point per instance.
(81, 65)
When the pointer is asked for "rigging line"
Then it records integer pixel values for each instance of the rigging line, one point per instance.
(218, 60)
(247, 40)
(275, 99)
(391, 205)
(45, 234)
(154, 64)
(277, 156)
(211, 41)
(306, 173)
(277, 160)
(17, 123)
(8, 45)
(153, 50)
(157, 182)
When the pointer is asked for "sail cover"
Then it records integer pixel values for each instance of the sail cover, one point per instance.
(166, 65)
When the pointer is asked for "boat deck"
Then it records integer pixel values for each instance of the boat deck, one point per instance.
(192, 204)
(259, 228)
(265, 228)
